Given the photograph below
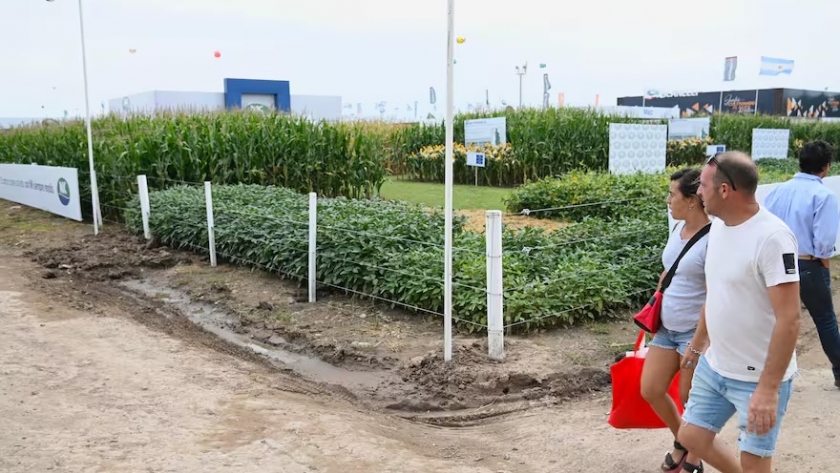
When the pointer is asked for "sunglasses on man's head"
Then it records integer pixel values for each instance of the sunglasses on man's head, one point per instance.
(714, 160)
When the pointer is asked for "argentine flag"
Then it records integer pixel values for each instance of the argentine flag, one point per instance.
(773, 66)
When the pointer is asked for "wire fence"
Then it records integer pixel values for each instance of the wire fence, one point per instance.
(573, 309)
(527, 212)
(290, 260)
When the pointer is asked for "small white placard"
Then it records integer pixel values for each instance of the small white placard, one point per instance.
(712, 150)
(475, 158)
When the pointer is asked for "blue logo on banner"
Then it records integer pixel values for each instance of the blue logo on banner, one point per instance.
(63, 191)
(479, 159)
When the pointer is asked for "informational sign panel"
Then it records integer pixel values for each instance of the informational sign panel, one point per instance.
(485, 131)
(682, 128)
(475, 159)
(770, 143)
(49, 188)
(635, 147)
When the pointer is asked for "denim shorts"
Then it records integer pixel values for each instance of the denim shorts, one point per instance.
(670, 340)
(714, 399)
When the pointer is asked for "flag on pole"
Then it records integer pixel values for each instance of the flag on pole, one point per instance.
(772, 66)
(729, 68)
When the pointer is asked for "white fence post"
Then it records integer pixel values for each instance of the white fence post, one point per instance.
(145, 205)
(495, 335)
(208, 198)
(313, 232)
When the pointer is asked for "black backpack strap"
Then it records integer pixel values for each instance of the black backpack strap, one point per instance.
(697, 236)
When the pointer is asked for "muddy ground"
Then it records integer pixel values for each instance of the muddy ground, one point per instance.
(118, 356)
(389, 358)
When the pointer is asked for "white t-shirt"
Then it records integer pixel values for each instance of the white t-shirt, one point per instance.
(683, 299)
(741, 263)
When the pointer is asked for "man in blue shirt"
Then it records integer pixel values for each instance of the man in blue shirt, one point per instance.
(812, 212)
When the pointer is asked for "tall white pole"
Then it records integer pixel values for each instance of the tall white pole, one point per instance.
(450, 137)
(94, 189)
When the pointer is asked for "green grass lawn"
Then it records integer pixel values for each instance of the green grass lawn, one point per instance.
(431, 194)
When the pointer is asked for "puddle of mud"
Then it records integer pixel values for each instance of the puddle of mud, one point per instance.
(224, 325)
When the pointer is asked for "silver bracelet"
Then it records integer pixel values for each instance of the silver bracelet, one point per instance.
(693, 350)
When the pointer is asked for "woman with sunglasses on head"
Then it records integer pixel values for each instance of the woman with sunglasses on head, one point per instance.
(680, 314)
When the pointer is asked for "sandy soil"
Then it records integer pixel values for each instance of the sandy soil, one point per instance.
(97, 377)
(477, 220)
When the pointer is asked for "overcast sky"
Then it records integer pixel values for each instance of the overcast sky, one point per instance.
(394, 50)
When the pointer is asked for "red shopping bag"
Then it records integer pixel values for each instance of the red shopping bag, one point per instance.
(629, 408)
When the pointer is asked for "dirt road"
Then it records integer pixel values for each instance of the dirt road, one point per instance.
(93, 390)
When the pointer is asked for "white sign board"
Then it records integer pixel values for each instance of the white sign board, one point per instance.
(635, 147)
(485, 130)
(712, 150)
(52, 189)
(683, 128)
(475, 159)
(770, 143)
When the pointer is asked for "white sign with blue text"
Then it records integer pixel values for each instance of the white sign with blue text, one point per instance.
(48, 188)
(475, 159)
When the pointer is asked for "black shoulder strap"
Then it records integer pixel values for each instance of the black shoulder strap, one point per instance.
(697, 236)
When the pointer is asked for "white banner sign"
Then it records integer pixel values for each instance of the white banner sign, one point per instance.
(485, 130)
(49, 188)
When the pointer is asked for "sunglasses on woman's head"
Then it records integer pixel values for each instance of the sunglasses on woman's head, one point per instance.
(714, 160)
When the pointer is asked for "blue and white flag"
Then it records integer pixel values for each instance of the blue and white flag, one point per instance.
(773, 66)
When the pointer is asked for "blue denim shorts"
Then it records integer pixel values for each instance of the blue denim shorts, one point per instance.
(670, 340)
(714, 399)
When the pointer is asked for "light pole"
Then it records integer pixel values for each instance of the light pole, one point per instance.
(521, 73)
(94, 190)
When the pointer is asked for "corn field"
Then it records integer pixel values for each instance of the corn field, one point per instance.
(349, 159)
(344, 159)
(554, 141)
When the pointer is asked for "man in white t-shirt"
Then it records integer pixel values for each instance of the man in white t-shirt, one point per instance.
(749, 324)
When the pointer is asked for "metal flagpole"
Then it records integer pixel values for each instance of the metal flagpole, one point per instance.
(94, 188)
(450, 137)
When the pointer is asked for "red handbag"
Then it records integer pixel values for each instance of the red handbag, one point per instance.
(629, 408)
(649, 318)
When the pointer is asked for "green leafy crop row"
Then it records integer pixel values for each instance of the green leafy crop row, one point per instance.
(394, 251)
(580, 194)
